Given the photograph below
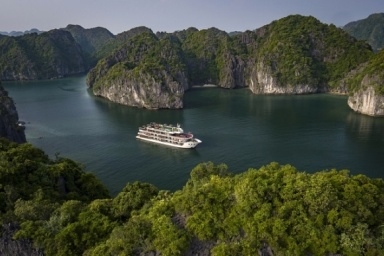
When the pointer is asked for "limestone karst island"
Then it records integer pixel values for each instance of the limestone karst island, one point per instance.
(52, 206)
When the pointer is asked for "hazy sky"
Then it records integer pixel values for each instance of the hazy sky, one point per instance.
(171, 15)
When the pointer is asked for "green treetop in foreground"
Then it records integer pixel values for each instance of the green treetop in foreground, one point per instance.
(66, 211)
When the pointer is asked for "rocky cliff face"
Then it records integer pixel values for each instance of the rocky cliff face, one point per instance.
(146, 72)
(366, 86)
(233, 73)
(367, 100)
(300, 55)
(9, 127)
(263, 82)
(10, 247)
(145, 91)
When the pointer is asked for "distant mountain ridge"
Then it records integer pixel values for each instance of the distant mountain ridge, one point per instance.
(370, 29)
(20, 33)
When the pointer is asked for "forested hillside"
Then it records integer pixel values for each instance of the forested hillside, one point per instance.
(373, 70)
(145, 72)
(90, 40)
(119, 40)
(370, 29)
(294, 55)
(275, 209)
(299, 50)
(51, 54)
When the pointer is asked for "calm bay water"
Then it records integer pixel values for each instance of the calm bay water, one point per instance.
(311, 132)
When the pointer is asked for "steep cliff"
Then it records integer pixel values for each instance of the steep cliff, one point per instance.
(367, 101)
(48, 55)
(152, 89)
(9, 127)
(263, 81)
(366, 86)
(213, 57)
(298, 55)
(144, 72)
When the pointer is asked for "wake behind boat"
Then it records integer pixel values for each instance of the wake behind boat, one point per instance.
(166, 134)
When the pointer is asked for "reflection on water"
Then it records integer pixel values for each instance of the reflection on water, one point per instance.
(365, 128)
(174, 154)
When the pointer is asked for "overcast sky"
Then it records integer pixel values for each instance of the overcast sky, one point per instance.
(172, 15)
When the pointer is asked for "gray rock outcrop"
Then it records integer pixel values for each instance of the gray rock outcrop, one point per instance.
(21, 247)
(145, 91)
(263, 82)
(233, 74)
(367, 101)
(10, 127)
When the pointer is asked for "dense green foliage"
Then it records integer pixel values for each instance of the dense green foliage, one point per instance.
(372, 72)
(370, 29)
(302, 50)
(202, 56)
(28, 177)
(47, 55)
(118, 41)
(67, 212)
(201, 50)
(295, 51)
(91, 41)
(140, 54)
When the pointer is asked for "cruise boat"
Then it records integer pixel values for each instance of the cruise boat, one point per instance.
(166, 134)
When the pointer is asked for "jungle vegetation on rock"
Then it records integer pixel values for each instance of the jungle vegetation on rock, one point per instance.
(293, 55)
(276, 208)
(373, 70)
(296, 50)
(51, 54)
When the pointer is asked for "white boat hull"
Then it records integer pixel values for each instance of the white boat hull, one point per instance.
(188, 144)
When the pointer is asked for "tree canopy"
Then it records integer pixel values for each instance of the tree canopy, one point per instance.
(66, 211)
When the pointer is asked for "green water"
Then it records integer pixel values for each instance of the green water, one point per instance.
(311, 132)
